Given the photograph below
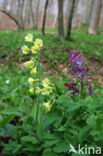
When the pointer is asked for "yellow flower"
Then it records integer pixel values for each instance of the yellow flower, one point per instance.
(29, 38)
(46, 90)
(38, 90)
(25, 49)
(29, 64)
(38, 42)
(33, 71)
(31, 90)
(47, 105)
(46, 82)
(35, 49)
(30, 80)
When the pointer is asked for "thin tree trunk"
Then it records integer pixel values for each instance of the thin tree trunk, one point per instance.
(55, 20)
(60, 20)
(44, 17)
(101, 19)
(49, 13)
(32, 15)
(26, 14)
(87, 11)
(71, 5)
(19, 13)
(95, 17)
(37, 13)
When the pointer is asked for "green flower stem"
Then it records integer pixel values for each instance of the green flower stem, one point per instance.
(82, 86)
(39, 77)
(73, 96)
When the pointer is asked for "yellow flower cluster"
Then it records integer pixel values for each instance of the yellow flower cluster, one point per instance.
(33, 65)
(46, 90)
(38, 43)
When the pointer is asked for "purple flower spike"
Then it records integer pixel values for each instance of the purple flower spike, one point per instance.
(76, 60)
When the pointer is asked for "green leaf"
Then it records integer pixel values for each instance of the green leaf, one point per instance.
(52, 117)
(49, 154)
(34, 110)
(6, 120)
(40, 131)
(9, 111)
(12, 148)
(2, 132)
(99, 123)
(61, 147)
(33, 148)
(51, 142)
(83, 134)
(29, 138)
(10, 129)
(50, 136)
(73, 106)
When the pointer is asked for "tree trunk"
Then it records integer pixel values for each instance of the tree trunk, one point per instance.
(71, 5)
(55, 20)
(101, 16)
(44, 17)
(95, 17)
(60, 20)
(88, 4)
(13, 17)
(37, 13)
(32, 15)
(27, 14)
(19, 13)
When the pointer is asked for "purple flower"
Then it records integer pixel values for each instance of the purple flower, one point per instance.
(72, 86)
(67, 50)
(76, 60)
(79, 70)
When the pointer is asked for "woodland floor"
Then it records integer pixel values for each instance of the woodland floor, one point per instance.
(53, 58)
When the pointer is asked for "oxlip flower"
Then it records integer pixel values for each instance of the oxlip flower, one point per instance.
(38, 43)
(33, 71)
(31, 80)
(31, 90)
(35, 49)
(46, 82)
(46, 90)
(38, 90)
(25, 49)
(29, 38)
(29, 64)
(47, 106)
